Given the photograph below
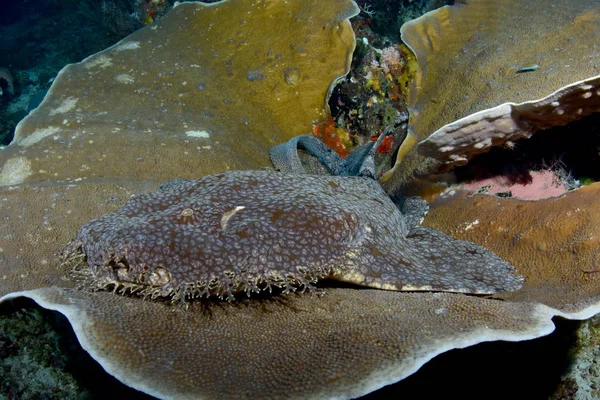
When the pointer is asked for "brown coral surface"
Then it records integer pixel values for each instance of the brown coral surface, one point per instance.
(554, 243)
(342, 345)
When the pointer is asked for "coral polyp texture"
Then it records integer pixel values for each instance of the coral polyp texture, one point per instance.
(491, 73)
(214, 86)
(253, 230)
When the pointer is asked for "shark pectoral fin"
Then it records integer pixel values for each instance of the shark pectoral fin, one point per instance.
(428, 260)
(448, 264)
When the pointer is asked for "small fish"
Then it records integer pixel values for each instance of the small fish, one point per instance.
(530, 68)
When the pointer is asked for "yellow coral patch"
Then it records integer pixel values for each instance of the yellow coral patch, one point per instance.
(247, 73)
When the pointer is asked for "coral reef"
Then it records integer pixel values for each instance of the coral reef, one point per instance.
(369, 102)
(468, 87)
(455, 143)
(224, 100)
(148, 110)
(387, 16)
(334, 137)
(581, 380)
(40, 38)
(40, 358)
(542, 166)
(33, 359)
(555, 240)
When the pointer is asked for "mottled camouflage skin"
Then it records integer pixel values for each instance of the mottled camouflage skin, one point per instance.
(251, 230)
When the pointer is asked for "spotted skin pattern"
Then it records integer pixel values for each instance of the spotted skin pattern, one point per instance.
(255, 230)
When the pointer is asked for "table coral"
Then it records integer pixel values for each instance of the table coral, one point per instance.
(468, 95)
(196, 91)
